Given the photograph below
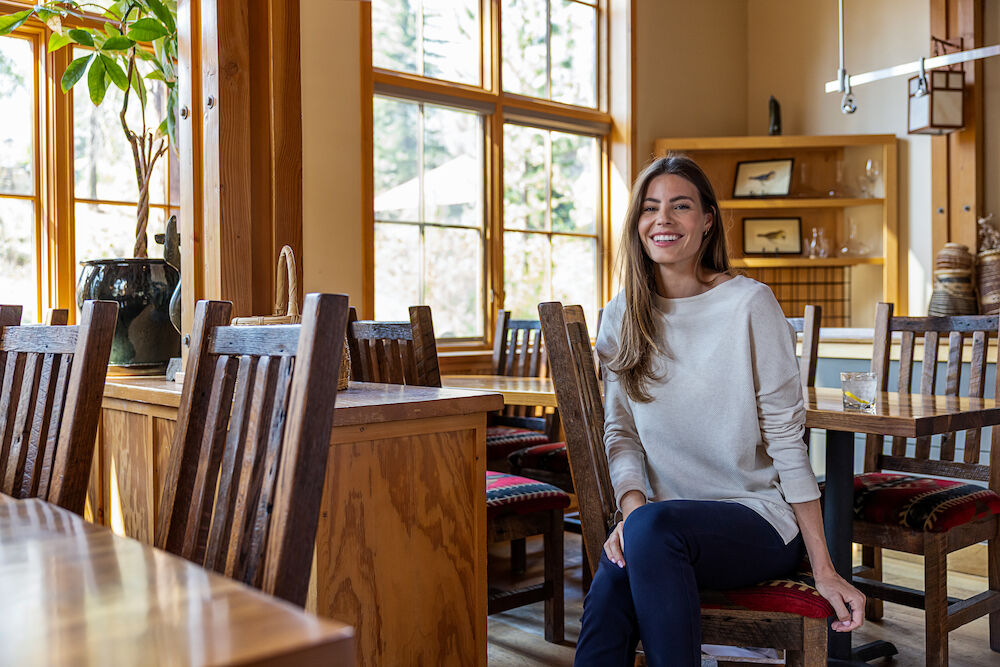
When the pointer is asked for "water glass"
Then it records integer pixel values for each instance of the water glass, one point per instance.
(858, 391)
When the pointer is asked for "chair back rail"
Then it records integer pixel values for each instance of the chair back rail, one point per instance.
(394, 352)
(246, 470)
(51, 387)
(578, 393)
(519, 351)
(808, 325)
(57, 316)
(932, 331)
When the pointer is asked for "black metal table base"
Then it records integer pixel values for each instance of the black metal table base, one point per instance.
(861, 655)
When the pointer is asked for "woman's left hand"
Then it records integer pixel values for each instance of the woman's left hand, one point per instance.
(847, 601)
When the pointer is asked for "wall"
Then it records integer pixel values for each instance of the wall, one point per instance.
(793, 50)
(331, 147)
(690, 70)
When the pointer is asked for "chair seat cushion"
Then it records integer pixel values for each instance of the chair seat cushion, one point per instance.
(550, 457)
(512, 494)
(503, 440)
(794, 594)
(920, 503)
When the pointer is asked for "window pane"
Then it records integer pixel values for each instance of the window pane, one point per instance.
(397, 186)
(102, 157)
(17, 105)
(397, 270)
(574, 53)
(574, 183)
(574, 274)
(17, 256)
(525, 188)
(454, 287)
(108, 231)
(453, 167)
(526, 273)
(523, 27)
(435, 38)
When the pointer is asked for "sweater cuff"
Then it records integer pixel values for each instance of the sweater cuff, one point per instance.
(620, 493)
(800, 489)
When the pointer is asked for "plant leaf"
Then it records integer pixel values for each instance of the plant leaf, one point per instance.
(156, 74)
(97, 82)
(139, 87)
(82, 37)
(54, 21)
(143, 54)
(115, 72)
(163, 14)
(117, 43)
(74, 71)
(57, 41)
(14, 21)
(146, 30)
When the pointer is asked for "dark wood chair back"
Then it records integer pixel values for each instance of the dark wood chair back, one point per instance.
(933, 330)
(51, 389)
(394, 352)
(247, 464)
(57, 316)
(808, 325)
(578, 393)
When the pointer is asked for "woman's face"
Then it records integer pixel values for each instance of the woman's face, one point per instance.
(673, 223)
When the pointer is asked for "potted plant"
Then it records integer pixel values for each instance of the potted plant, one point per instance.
(119, 36)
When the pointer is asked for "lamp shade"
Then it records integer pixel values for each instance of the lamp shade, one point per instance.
(936, 106)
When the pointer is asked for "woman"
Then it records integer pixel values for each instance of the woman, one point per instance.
(703, 431)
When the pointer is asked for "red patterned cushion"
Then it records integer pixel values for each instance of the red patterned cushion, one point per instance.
(794, 594)
(502, 440)
(511, 494)
(550, 457)
(920, 503)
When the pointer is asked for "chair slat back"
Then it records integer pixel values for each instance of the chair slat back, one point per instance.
(394, 352)
(518, 350)
(808, 325)
(932, 331)
(578, 394)
(248, 460)
(57, 316)
(51, 388)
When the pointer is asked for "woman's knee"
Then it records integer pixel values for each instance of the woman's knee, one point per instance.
(655, 526)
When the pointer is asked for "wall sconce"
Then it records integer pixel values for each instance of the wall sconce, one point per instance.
(935, 101)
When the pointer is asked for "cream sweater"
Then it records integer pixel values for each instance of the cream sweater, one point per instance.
(726, 419)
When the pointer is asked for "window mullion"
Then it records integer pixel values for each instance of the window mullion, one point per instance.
(548, 49)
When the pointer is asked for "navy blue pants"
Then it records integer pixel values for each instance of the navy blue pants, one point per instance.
(673, 548)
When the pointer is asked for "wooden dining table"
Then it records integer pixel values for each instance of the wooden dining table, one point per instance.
(906, 415)
(74, 593)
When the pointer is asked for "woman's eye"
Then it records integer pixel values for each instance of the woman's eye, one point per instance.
(682, 206)
(649, 209)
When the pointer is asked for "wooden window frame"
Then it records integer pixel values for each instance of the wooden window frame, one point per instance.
(498, 107)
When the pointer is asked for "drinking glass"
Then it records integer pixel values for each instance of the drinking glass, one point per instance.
(858, 389)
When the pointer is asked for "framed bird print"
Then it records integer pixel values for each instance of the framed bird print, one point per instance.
(763, 178)
(772, 236)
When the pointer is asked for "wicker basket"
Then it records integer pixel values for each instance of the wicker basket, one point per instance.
(286, 309)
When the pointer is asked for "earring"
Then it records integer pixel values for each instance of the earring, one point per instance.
(705, 235)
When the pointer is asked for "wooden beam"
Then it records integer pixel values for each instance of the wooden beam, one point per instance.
(189, 139)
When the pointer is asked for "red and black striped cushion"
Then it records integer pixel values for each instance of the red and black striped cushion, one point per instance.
(920, 503)
(794, 594)
(503, 440)
(550, 457)
(512, 494)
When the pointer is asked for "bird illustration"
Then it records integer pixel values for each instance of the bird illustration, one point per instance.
(771, 236)
(763, 177)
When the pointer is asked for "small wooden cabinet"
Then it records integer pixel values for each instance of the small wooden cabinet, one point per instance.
(825, 194)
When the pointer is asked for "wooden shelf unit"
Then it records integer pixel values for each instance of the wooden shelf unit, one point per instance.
(848, 287)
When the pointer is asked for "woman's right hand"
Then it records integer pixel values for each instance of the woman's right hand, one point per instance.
(614, 546)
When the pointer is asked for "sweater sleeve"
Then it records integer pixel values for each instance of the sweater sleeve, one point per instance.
(780, 409)
(626, 455)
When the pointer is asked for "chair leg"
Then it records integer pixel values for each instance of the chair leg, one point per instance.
(872, 557)
(587, 577)
(518, 556)
(993, 560)
(794, 658)
(555, 613)
(936, 599)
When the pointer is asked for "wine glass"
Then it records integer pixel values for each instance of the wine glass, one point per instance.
(873, 169)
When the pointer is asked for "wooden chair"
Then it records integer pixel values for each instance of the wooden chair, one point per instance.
(516, 507)
(57, 316)
(751, 616)
(926, 516)
(808, 325)
(51, 388)
(253, 431)
(394, 352)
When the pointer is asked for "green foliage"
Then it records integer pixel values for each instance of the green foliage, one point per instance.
(135, 30)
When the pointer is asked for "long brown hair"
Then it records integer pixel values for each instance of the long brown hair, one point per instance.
(632, 362)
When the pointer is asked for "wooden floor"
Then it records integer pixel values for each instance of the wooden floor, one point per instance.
(515, 637)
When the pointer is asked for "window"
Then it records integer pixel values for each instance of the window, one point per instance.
(20, 204)
(488, 160)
